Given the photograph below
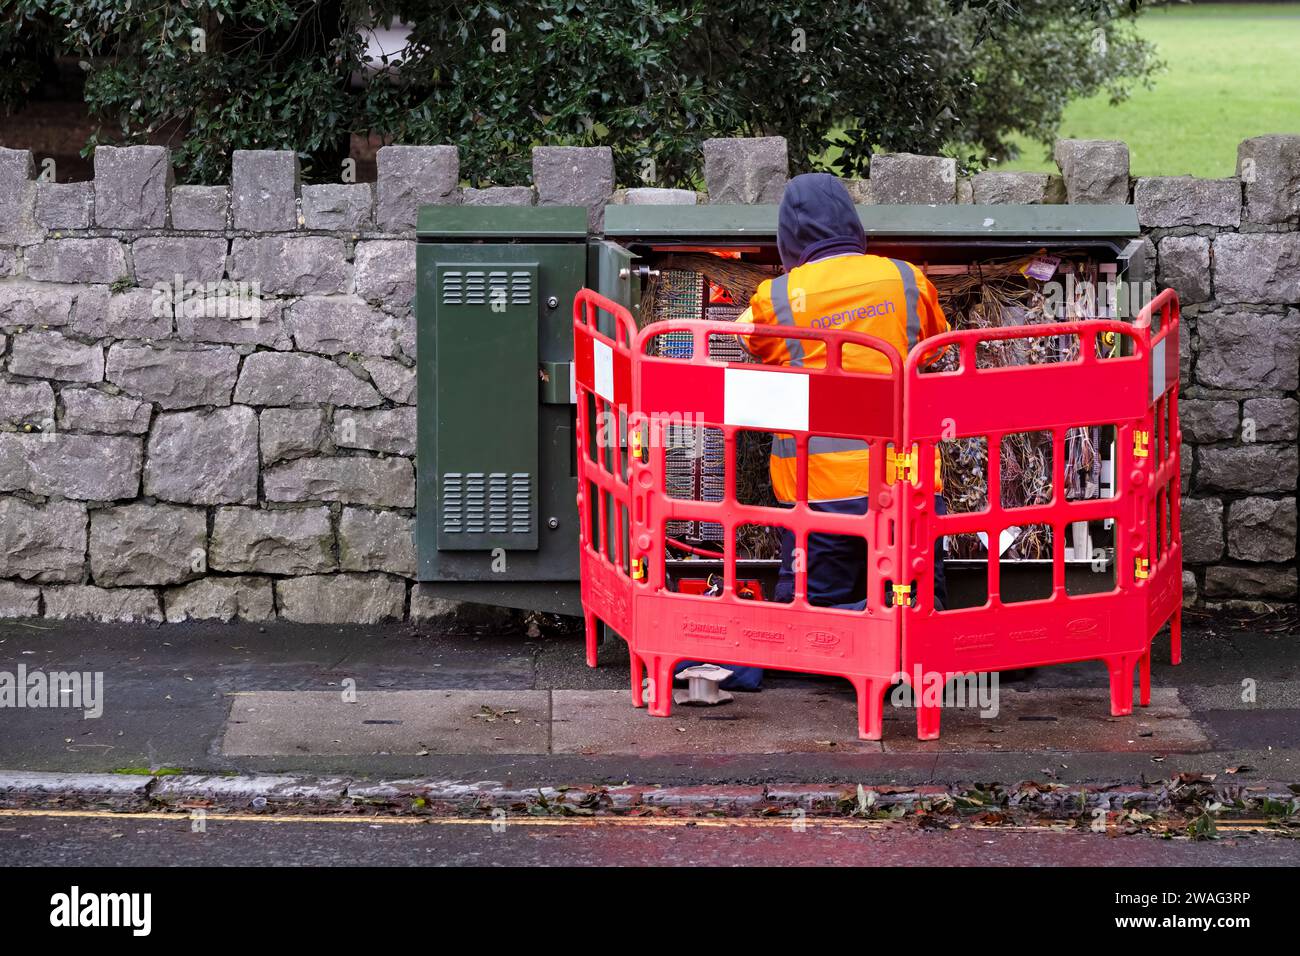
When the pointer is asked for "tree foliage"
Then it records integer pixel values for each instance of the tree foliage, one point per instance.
(649, 78)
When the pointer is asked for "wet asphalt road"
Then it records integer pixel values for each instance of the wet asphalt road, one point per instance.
(119, 840)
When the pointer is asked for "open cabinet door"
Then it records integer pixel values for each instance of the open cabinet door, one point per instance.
(611, 274)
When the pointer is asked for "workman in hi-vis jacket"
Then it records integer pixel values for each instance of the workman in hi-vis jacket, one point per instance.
(832, 282)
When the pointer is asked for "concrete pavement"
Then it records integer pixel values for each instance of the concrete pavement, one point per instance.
(401, 701)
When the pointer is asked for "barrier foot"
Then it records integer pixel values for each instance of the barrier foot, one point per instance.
(927, 721)
(638, 672)
(661, 687)
(871, 707)
(1144, 679)
(592, 636)
(1176, 637)
(1121, 685)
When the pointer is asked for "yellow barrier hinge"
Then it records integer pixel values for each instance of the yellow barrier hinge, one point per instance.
(635, 440)
(903, 594)
(1142, 569)
(901, 467)
(638, 569)
(1141, 444)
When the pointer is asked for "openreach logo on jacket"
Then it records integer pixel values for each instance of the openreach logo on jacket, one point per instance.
(76, 909)
(860, 314)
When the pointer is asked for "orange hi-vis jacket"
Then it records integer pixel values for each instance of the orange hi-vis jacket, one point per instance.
(888, 298)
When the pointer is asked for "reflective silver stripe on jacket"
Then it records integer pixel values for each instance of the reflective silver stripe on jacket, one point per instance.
(911, 294)
(817, 445)
(784, 316)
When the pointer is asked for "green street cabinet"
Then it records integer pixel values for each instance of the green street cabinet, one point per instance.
(496, 468)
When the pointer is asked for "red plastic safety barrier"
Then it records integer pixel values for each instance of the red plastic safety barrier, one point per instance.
(1163, 584)
(603, 386)
(993, 403)
(728, 627)
(628, 399)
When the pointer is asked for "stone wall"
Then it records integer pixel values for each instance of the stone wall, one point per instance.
(159, 462)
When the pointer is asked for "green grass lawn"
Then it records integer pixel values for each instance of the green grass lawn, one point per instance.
(1232, 71)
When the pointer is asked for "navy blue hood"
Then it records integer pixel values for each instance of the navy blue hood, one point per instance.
(817, 219)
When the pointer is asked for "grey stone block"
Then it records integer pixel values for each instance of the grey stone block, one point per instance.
(1202, 529)
(50, 355)
(649, 196)
(293, 265)
(42, 543)
(18, 197)
(1095, 170)
(1189, 589)
(345, 207)
(78, 260)
(1255, 468)
(174, 378)
(203, 457)
(910, 178)
(740, 170)
(390, 430)
(220, 599)
(289, 433)
(1272, 419)
(1243, 350)
(192, 258)
(859, 191)
(1257, 267)
(131, 184)
(409, 177)
(396, 382)
(1206, 421)
(341, 599)
(265, 326)
(380, 482)
(500, 196)
(27, 403)
(83, 467)
(147, 544)
(1186, 330)
(65, 205)
(90, 410)
(300, 541)
(996, 188)
(1184, 266)
(577, 176)
(1238, 582)
(264, 189)
(19, 600)
(289, 378)
(1270, 168)
(129, 314)
(377, 541)
(112, 605)
(1262, 529)
(333, 325)
(196, 208)
(385, 272)
(36, 303)
(1168, 201)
